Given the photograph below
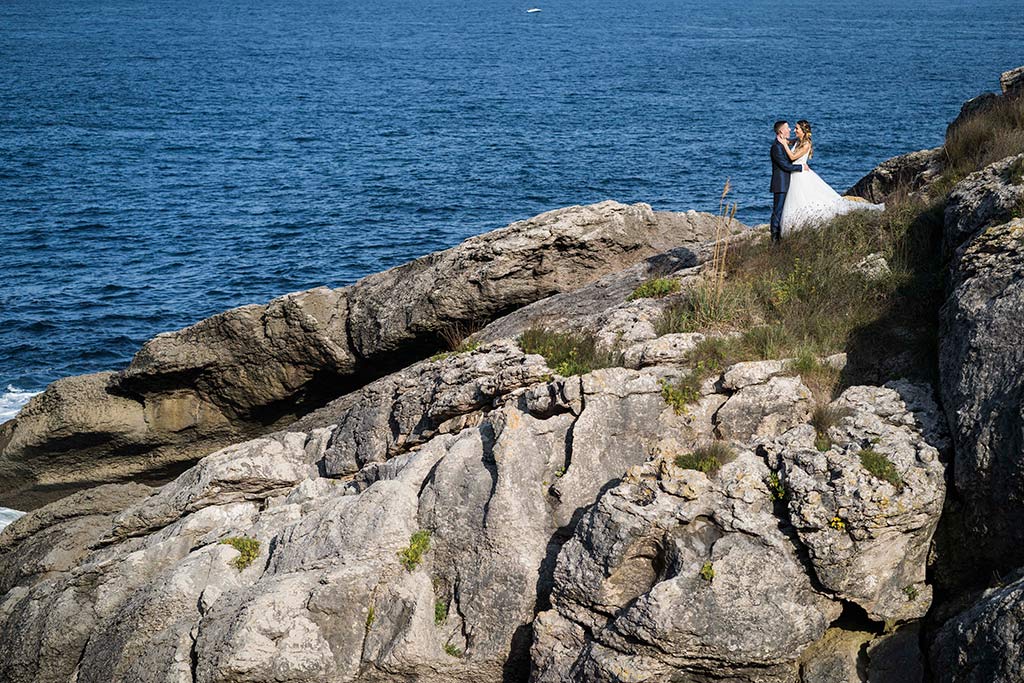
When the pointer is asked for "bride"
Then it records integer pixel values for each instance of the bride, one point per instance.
(810, 199)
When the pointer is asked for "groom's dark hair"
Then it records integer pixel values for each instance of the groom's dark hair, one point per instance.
(778, 126)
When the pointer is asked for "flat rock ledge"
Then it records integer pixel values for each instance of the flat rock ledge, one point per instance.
(256, 368)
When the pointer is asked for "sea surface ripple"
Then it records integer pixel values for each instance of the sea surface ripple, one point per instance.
(163, 161)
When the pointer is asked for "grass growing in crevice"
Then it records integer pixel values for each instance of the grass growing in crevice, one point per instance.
(682, 392)
(419, 544)
(707, 458)
(569, 353)
(440, 612)
(824, 418)
(821, 378)
(655, 289)
(881, 466)
(452, 651)
(248, 550)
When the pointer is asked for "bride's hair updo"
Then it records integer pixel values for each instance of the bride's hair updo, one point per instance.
(805, 127)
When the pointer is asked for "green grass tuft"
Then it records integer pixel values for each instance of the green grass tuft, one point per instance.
(824, 418)
(707, 572)
(440, 612)
(452, 651)
(248, 550)
(682, 392)
(567, 353)
(992, 134)
(419, 544)
(655, 289)
(707, 458)
(881, 466)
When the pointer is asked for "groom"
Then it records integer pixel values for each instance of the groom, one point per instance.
(781, 168)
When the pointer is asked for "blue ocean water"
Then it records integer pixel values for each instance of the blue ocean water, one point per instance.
(161, 161)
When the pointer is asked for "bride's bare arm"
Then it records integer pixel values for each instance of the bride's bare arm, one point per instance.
(797, 151)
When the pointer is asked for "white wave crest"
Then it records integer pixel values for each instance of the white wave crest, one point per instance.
(12, 401)
(7, 516)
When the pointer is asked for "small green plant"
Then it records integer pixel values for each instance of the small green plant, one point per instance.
(248, 550)
(560, 472)
(911, 593)
(452, 651)
(419, 544)
(464, 347)
(880, 466)
(371, 616)
(805, 361)
(707, 572)
(797, 285)
(440, 612)
(776, 489)
(824, 418)
(655, 289)
(686, 390)
(707, 458)
(838, 523)
(766, 341)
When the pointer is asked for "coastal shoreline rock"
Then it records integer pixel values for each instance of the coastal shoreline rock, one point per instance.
(257, 368)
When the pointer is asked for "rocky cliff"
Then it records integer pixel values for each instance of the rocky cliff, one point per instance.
(490, 514)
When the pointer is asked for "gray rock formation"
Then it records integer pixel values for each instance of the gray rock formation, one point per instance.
(986, 642)
(327, 595)
(985, 198)
(255, 368)
(1012, 82)
(665, 577)
(499, 460)
(981, 358)
(912, 172)
(656, 582)
(869, 537)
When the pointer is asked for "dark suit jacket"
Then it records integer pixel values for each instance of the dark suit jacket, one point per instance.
(781, 168)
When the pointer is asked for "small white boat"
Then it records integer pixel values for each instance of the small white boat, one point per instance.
(533, 9)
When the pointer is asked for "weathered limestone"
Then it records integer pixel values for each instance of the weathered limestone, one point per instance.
(914, 171)
(252, 369)
(981, 362)
(499, 494)
(665, 576)
(868, 537)
(985, 198)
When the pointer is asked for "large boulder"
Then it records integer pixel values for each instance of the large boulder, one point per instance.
(869, 532)
(1012, 82)
(674, 575)
(257, 368)
(912, 172)
(985, 198)
(981, 363)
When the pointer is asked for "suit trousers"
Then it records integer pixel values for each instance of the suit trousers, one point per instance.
(776, 224)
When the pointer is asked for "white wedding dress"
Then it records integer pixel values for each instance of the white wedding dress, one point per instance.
(811, 200)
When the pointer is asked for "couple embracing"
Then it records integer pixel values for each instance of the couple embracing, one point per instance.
(801, 197)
